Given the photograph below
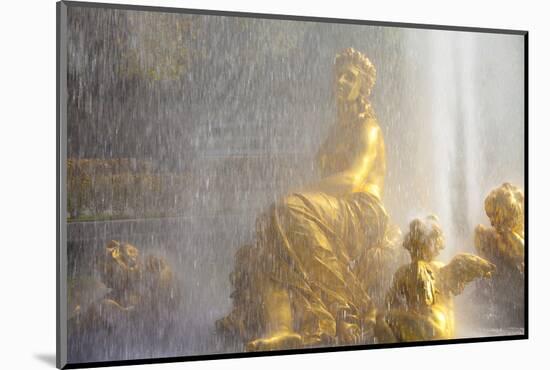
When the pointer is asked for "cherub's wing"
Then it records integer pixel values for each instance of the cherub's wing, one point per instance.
(463, 269)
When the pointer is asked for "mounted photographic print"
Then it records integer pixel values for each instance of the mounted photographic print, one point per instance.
(235, 184)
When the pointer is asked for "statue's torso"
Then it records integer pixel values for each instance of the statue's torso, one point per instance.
(422, 306)
(345, 146)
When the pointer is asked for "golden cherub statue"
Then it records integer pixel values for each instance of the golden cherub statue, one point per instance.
(420, 300)
(503, 245)
(303, 282)
(130, 286)
(503, 242)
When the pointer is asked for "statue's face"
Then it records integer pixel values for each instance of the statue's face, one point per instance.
(432, 249)
(348, 83)
(425, 240)
(123, 263)
(505, 209)
(128, 256)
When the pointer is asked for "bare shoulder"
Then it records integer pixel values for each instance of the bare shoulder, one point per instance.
(371, 123)
(482, 230)
(484, 235)
(370, 131)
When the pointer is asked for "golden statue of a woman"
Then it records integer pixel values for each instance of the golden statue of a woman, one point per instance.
(304, 280)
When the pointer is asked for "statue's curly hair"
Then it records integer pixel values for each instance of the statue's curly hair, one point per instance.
(424, 235)
(356, 58)
(505, 207)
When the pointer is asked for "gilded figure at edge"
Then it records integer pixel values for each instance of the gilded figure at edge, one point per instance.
(503, 244)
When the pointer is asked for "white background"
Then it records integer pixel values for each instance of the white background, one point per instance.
(27, 152)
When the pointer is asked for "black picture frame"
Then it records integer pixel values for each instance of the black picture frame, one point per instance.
(61, 176)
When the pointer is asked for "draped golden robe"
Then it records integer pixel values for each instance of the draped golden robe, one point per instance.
(302, 245)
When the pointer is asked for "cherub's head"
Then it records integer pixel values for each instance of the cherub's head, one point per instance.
(121, 264)
(355, 75)
(425, 239)
(505, 207)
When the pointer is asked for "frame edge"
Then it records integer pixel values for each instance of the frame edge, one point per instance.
(61, 122)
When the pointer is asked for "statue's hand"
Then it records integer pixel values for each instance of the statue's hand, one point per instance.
(463, 269)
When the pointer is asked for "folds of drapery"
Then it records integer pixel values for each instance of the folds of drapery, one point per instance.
(310, 245)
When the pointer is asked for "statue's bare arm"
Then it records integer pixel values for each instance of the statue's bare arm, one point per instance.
(352, 179)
